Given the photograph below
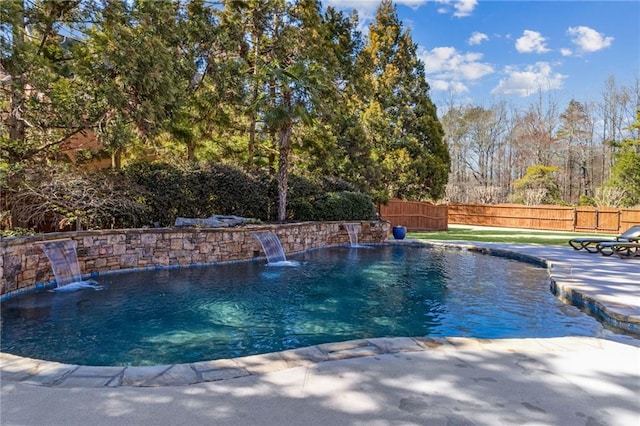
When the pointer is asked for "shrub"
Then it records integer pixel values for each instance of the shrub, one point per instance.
(16, 232)
(336, 184)
(61, 197)
(585, 200)
(537, 186)
(155, 194)
(164, 195)
(344, 205)
(200, 192)
(236, 192)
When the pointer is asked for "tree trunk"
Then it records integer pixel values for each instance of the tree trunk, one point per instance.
(15, 123)
(272, 132)
(283, 170)
(251, 151)
(568, 184)
(191, 151)
(116, 159)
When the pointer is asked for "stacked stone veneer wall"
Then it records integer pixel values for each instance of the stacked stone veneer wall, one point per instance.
(23, 264)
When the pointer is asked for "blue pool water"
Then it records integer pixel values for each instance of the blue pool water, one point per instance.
(334, 294)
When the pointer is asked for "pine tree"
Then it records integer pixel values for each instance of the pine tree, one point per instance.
(141, 63)
(400, 119)
(45, 104)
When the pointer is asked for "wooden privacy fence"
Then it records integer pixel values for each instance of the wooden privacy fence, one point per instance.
(555, 218)
(415, 215)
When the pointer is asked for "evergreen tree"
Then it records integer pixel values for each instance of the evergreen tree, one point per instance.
(538, 186)
(625, 173)
(298, 85)
(250, 27)
(337, 144)
(407, 140)
(141, 65)
(268, 84)
(45, 105)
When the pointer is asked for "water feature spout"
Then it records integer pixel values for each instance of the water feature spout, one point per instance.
(64, 260)
(272, 248)
(353, 229)
(63, 257)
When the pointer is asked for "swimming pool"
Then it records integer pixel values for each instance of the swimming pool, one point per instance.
(335, 294)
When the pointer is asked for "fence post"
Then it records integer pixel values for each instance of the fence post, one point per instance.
(575, 219)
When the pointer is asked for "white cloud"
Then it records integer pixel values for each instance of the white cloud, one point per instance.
(461, 8)
(588, 40)
(448, 69)
(464, 7)
(534, 78)
(566, 52)
(414, 4)
(447, 86)
(477, 38)
(531, 41)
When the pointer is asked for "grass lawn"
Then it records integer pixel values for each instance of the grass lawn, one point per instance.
(503, 235)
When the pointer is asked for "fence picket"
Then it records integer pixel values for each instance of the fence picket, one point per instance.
(423, 216)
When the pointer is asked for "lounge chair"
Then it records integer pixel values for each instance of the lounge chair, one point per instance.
(621, 248)
(626, 250)
(590, 244)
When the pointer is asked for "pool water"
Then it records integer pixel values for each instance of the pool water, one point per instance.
(334, 294)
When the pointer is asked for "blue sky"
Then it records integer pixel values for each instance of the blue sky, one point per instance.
(479, 52)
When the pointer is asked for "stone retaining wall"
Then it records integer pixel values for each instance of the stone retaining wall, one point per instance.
(23, 264)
